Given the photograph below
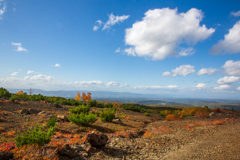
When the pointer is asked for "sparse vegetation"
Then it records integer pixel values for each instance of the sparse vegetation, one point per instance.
(80, 109)
(147, 114)
(132, 107)
(82, 118)
(108, 114)
(51, 122)
(4, 92)
(37, 135)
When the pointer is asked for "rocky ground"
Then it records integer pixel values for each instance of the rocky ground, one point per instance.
(182, 139)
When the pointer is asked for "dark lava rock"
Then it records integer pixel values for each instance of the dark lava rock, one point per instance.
(6, 155)
(97, 139)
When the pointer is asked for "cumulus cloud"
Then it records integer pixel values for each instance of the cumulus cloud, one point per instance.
(19, 47)
(183, 70)
(238, 88)
(162, 31)
(232, 68)
(113, 20)
(157, 87)
(29, 72)
(208, 71)
(236, 14)
(46, 82)
(3, 8)
(222, 87)
(227, 80)
(201, 85)
(97, 25)
(14, 73)
(231, 42)
(117, 50)
(57, 65)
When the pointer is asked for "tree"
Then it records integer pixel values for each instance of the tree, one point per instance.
(30, 91)
(78, 97)
(86, 98)
(19, 93)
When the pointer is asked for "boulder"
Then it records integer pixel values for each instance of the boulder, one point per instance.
(57, 106)
(24, 111)
(62, 118)
(68, 151)
(43, 112)
(6, 155)
(97, 139)
(34, 111)
(117, 120)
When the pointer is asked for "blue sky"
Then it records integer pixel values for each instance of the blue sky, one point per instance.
(182, 48)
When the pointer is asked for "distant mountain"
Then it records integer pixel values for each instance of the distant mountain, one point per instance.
(121, 96)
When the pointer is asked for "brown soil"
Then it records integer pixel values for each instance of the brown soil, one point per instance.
(202, 142)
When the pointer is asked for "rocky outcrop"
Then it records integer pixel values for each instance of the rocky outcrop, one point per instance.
(97, 139)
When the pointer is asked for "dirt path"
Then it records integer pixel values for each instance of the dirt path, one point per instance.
(223, 143)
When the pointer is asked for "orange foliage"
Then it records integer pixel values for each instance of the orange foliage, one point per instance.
(78, 97)
(117, 104)
(125, 134)
(36, 152)
(19, 93)
(86, 98)
(201, 114)
(156, 131)
(172, 117)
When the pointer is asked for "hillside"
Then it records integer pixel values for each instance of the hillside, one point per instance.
(135, 135)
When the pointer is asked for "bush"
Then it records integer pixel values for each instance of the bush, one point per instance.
(35, 136)
(82, 118)
(80, 109)
(93, 103)
(108, 105)
(147, 114)
(172, 117)
(51, 122)
(13, 97)
(100, 105)
(131, 107)
(108, 115)
(4, 92)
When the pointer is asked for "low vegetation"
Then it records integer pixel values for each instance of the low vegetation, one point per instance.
(82, 118)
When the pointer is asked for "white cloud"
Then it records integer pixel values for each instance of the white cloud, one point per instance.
(19, 47)
(57, 65)
(157, 87)
(29, 72)
(232, 68)
(208, 71)
(162, 31)
(117, 50)
(231, 42)
(113, 84)
(130, 51)
(14, 73)
(236, 14)
(222, 87)
(113, 20)
(183, 70)
(227, 80)
(98, 24)
(201, 85)
(3, 8)
(238, 88)
(167, 74)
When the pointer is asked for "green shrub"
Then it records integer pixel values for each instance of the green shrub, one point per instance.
(147, 114)
(35, 136)
(13, 97)
(82, 118)
(80, 109)
(131, 107)
(51, 122)
(187, 115)
(108, 105)
(93, 103)
(0, 107)
(4, 92)
(100, 105)
(108, 115)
